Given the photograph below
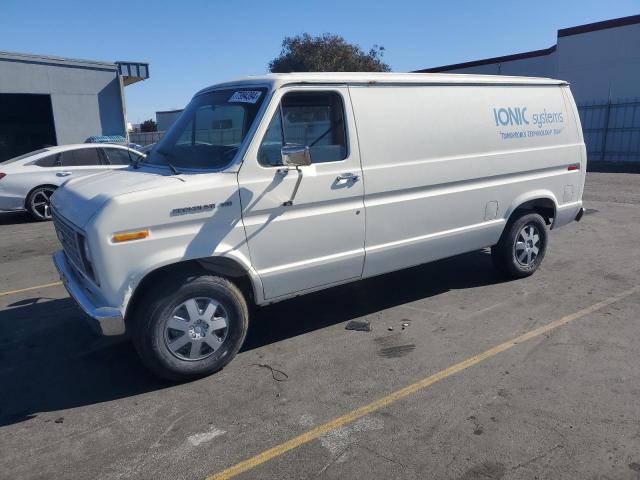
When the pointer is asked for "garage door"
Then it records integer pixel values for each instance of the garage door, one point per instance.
(26, 124)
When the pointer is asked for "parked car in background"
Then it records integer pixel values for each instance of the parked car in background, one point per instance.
(28, 181)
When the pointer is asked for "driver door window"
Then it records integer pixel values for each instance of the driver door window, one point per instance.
(313, 119)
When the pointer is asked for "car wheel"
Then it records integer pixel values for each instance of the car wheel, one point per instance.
(190, 328)
(522, 246)
(38, 202)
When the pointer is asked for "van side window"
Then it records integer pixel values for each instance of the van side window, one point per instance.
(312, 119)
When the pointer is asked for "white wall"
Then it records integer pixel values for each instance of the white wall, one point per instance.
(164, 120)
(593, 62)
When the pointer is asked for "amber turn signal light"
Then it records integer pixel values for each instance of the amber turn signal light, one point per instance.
(128, 236)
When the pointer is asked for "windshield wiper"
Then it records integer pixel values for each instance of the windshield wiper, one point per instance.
(166, 154)
(173, 169)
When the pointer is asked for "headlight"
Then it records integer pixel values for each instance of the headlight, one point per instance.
(86, 257)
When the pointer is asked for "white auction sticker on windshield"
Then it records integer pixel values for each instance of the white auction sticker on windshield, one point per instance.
(246, 96)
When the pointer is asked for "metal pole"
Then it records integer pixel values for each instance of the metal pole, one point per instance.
(124, 109)
(605, 132)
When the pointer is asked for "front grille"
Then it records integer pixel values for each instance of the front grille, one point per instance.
(69, 238)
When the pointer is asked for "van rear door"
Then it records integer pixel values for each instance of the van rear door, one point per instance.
(317, 239)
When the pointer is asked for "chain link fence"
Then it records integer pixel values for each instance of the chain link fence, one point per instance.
(145, 138)
(611, 130)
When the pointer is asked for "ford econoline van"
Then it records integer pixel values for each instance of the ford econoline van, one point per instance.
(271, 187)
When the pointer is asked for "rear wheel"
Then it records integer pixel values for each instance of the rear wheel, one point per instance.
(39, 202)
(191, 327)
(522, 246)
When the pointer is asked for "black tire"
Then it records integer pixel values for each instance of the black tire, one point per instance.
(40, 195)
(510, 249)
(151, 317)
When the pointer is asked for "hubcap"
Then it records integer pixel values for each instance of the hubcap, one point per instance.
(527, 245)
(196, 329)
(41, 201)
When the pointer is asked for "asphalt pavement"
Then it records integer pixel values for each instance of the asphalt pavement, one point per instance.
(463, 375)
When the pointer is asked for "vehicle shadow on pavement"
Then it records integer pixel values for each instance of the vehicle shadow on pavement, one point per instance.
(15, 218)
(50, 360)
(339, 304)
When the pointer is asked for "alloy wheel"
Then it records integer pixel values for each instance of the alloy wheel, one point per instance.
(41, 203)
(527, 245)
(196, 329)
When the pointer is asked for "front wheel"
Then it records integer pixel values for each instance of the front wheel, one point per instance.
(190, 327)
(522, 246)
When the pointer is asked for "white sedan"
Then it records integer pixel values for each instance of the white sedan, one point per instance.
(28, 181)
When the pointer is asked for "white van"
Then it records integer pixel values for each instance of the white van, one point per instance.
(270, 187)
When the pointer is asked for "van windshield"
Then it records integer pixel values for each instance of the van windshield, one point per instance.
(209, 132)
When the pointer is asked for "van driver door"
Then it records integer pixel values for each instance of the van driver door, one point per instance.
(305, 226)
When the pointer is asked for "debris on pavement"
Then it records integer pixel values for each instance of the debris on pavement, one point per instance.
(278, 375)
(397, 351)
(358, 326)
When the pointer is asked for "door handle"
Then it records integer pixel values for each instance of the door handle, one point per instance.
(346, 177)
(63, 174)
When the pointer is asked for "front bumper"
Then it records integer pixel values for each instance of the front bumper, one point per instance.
(105, 320)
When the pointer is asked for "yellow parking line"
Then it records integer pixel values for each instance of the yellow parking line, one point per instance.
(46, 285)
(349, 417)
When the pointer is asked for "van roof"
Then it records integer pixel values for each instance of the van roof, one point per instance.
(273, 81)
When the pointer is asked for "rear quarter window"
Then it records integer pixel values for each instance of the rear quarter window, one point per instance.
(48, 161)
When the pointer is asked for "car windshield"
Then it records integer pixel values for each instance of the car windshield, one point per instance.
(209, 132)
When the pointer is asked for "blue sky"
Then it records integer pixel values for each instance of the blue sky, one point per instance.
(192, 44)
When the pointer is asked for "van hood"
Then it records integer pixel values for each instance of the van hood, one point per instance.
(78, 200)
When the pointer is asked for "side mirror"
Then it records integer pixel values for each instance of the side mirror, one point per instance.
(295, 156)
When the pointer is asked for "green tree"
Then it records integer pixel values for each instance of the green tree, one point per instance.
(148, 126)
(326, 53)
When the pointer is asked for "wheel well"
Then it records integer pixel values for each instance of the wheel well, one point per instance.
(223, 267)
(26, 199)
(542, 206)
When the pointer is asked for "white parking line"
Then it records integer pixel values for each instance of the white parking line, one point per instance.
(199, 438)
